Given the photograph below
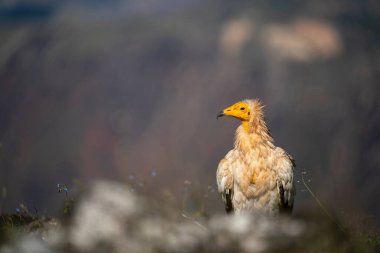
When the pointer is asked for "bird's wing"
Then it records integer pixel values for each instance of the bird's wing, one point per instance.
(225, 180)
(284, 168)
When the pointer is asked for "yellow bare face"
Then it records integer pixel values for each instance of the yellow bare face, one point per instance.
(239, 110)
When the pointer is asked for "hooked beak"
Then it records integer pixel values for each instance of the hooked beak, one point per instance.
(220, 114)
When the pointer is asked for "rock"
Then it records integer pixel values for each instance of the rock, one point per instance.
(110, 218)
(30, 244)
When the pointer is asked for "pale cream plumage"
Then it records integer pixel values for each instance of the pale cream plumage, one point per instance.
(255, 175)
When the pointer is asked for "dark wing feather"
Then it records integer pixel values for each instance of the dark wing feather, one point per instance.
(286, 186)
(285, 206)
(227, 196)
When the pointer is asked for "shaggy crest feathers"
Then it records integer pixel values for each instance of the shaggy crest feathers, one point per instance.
(257, 132)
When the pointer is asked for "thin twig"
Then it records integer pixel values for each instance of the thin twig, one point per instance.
(327, 213)
(194, 220)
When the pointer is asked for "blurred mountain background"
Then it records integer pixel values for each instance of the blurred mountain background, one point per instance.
(129, 91)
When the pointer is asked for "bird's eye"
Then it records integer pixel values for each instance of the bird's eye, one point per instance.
(242, 108)
(249, 113)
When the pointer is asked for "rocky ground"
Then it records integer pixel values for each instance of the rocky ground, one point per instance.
(111, 218)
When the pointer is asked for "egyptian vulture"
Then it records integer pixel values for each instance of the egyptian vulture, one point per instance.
(255, 175)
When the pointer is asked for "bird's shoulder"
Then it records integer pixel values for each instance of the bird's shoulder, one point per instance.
(230, 159)
(283, 158)
(232, 155)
